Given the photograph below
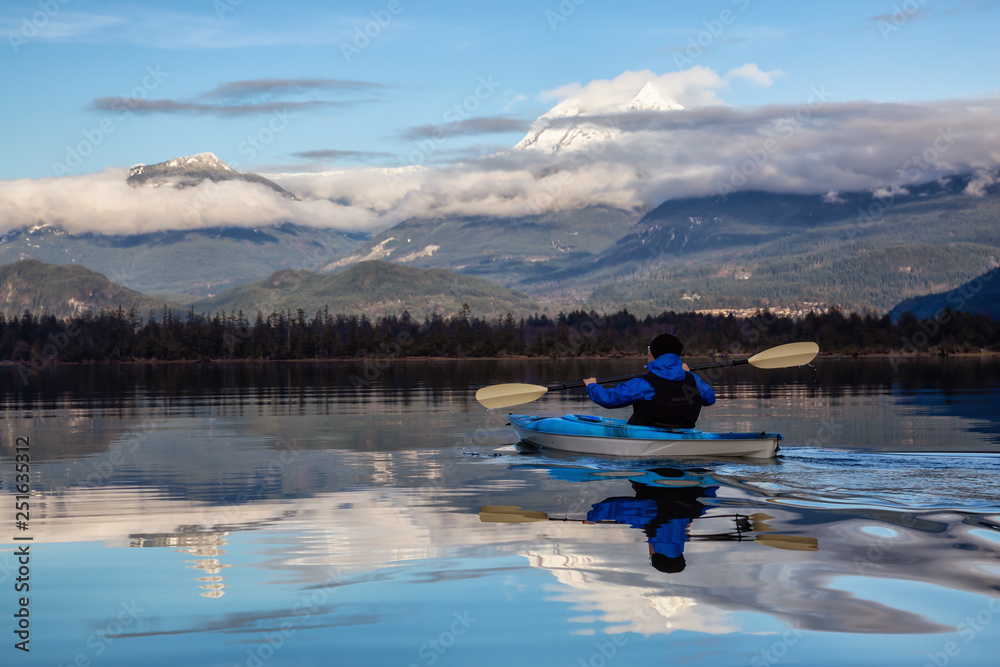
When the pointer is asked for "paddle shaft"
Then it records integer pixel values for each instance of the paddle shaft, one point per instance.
(575, 385)
(782, 356)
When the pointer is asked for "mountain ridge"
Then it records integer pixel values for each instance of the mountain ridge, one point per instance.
(750, 249)
(191, 170)
(981, 295)
(64, 291)
(373, 288)
(195, 262)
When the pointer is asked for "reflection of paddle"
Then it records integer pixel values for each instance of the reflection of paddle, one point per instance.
(516, 393)
(515, 514)
(788, 542)
(509, 514)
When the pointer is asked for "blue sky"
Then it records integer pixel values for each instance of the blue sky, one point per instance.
(354, 99)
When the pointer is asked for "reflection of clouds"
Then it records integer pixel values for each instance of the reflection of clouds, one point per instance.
(601, 571)
(613, 580)
(608, 576)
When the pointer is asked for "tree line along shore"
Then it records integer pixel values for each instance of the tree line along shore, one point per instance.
(123, 336)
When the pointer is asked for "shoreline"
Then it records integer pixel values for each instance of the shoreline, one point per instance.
(383, 358)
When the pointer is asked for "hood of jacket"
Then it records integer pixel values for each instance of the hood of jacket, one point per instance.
(667, 366)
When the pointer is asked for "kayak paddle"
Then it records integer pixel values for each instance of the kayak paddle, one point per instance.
(516, 393)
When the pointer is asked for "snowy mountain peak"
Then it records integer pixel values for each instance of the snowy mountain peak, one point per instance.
(191, 170)
(545, 136)
(649, 99)
(201, 161)
(179, 165)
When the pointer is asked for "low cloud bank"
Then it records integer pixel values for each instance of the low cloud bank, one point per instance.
(818, 146)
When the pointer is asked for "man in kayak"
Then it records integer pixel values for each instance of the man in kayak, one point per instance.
(668, 395)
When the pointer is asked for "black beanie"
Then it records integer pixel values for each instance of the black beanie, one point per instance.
(667, 564)
(665, 344)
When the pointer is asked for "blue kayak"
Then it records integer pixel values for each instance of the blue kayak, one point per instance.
(585, 434)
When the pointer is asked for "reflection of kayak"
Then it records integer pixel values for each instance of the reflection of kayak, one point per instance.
(614, 437)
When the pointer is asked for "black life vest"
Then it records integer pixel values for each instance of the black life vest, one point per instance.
(677, 403)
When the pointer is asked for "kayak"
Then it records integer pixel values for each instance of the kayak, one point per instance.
(585, 434)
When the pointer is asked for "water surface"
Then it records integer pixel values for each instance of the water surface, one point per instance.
(300, 514)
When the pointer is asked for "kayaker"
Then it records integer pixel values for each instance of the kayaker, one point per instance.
(668, 395)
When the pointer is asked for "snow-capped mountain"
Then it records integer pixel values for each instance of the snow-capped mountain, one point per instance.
(544, 135)
(193, 169)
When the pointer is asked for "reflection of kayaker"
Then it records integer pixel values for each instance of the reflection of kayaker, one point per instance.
(666, 500)
(664, 513)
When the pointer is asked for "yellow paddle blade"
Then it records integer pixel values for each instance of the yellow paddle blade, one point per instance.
(506, 395)
(509, 514)
(788, 542)
(759, 522)
(784, 356)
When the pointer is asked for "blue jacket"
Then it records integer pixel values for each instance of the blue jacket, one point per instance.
(667, 366)
(668, 536)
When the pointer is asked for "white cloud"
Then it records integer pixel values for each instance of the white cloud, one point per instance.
(105, 203)
(890, 192)
(815, 147)
(833, 197)
(982, 180)
(220, 25)
(755, 75)
(693, 87)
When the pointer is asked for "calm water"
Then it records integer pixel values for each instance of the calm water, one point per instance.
(292, 515)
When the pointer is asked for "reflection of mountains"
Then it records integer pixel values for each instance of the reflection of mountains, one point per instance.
(936, 386)
(603, 570)
(976, 404)
(316, 405)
